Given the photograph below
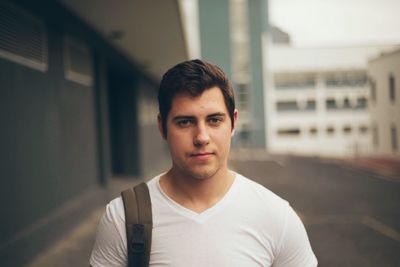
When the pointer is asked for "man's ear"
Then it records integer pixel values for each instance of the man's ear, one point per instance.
(160, 126)
(235, 114)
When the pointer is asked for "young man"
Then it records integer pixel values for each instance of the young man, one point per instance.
(203, 213)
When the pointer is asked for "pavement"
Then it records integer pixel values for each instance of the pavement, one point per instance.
(75, 247)
(385, 165)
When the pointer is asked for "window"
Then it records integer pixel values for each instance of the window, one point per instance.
(392, 88)
(330, 130)
(331, 104)
(361, 103)
(393, 132)
(77, 62)
(313, 131)
(243, 96)
(287, 106)
(372, 85)
(292, 105)
(346, 104)
(363, 129)
(22, 37)
(346, 79)
(347, 129)
(294, 80)
(375, 139)
(289, 132)
(310, 105)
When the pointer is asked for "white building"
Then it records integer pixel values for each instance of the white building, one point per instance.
(384, 73)
(318, 100)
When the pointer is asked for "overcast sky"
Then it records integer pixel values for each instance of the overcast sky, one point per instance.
(338, 22)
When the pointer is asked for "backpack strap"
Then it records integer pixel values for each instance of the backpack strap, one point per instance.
(139, 224)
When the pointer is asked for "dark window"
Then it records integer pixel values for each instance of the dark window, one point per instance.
(347, 129)
(375, 139)
(363, 129)
(313, 131)
(372, 85)
(77, 61)
(287, 106)
(294, 81)
(311, 105)
(243, 96)
(22, 37)
(346, 79)
(393, 132)
(331, 104)
(289, 132)
(361, 103)
(330, 130)
(346, 104)
(392, 88)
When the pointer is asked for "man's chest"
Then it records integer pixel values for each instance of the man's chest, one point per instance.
(212, 243)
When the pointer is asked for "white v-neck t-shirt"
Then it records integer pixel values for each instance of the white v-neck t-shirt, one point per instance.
(250, 226)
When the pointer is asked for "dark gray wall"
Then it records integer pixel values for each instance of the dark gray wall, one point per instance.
(153, 150)
(60, 140)
(54, 138)
(123, 121)
(48, 140)
(102, 118)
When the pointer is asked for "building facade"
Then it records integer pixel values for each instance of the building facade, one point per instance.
(78, 86)
(318, 101)
(384, 75)
(231, 35)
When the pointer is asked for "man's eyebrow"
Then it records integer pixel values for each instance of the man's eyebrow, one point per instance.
(176, 118)
(187, 117)
(218, 114)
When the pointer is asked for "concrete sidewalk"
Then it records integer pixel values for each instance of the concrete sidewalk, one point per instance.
(387, 166)
(75, 247)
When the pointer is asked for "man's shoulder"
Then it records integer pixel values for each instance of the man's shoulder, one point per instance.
(259, 191)
(115, 210)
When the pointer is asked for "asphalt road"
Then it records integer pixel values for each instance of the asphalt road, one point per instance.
(352, 216)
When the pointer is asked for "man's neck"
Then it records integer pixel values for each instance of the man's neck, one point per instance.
(196, 194)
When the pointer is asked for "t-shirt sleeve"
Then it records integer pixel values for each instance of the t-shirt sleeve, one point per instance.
(110, 244)
(295, 249)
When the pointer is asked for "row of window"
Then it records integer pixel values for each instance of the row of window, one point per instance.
(361, 103)
(329, 130)
(23, 40)
(309, 105)
(330, 103)
(331, 80)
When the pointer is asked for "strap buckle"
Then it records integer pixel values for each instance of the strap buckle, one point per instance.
(137, 245)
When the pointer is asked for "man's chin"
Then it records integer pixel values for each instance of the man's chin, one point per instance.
(203, 174)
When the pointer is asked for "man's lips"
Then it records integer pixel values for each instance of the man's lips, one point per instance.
(201, 155)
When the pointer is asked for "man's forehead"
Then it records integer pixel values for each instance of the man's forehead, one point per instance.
(209, 102)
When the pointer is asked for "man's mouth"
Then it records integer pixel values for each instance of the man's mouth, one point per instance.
(201, 155)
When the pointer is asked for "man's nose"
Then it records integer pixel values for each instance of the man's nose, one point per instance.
(201, 136)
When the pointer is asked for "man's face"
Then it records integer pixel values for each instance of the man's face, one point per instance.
(199, 134)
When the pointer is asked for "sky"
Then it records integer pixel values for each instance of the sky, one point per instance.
(338, 22)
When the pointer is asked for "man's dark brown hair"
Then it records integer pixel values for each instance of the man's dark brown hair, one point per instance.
(193, 77)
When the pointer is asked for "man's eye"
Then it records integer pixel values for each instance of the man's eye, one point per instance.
(184, 123)
(215, 121)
